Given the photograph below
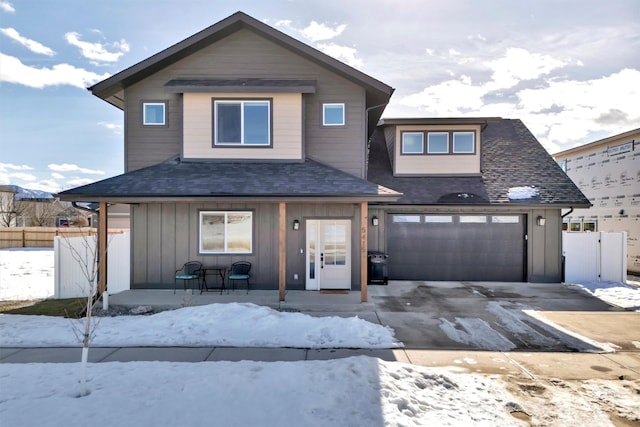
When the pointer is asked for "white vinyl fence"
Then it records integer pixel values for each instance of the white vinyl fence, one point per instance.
(71, 282)
(594, 257)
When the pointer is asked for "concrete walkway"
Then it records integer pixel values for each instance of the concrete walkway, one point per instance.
(414, 311)
(526, 365)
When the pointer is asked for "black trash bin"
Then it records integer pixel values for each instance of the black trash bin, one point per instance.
(377, 268)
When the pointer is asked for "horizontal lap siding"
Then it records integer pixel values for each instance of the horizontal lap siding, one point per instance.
(246, 55)
(287, 128)
(436, 163)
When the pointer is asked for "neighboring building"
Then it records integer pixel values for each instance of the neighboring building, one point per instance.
(9, 208)
(608, 173)
(242, 143)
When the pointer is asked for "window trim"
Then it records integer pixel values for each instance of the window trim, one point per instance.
(409, 153)
(438, 152)
(241, 101)
(334, 104)
(473, 142)
(201, 249)
(165, 116)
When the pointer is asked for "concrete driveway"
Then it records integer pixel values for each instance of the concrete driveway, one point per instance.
(503, 317)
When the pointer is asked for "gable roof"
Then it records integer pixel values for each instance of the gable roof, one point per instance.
(176, 180)
(511, 157)
(111, 88)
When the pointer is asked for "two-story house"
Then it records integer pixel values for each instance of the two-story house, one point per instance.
(608, 173)
(242, 143)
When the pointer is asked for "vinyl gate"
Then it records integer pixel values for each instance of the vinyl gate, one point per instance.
(71, 282)
(594, 257)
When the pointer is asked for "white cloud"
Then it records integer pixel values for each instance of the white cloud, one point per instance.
(7, 7)
(66, 167)
(518, 65)
(48, 185)
(345, 54)
(98, 51)
(23, 176)
(14, 71)
(115, 127)
(32, 45)
(5, 166)
(56, 175)
(316, 32)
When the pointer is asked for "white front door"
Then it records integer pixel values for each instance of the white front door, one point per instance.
(328, 254)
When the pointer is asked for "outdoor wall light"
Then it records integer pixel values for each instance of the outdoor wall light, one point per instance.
(541, 221)
(374, 221)
(296, 225)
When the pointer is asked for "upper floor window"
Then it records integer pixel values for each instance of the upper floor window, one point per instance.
(154, 113)
(412, 142)
(437, 142)
(333, 114)
(242, 122)
(463, 142)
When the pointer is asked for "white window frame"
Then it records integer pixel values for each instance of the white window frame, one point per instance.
(333, 104)
(225, 250)
(428, 143)
(473, 143)
(406, 218)
(242, 103)
(154, 104)
(421, 141)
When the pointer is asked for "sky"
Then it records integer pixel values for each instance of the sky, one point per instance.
(569, 69)
(351, 391)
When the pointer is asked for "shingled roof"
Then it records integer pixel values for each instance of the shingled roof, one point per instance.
(511, 157)
(177, 180)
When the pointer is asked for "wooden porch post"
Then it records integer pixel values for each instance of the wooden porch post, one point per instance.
(364, 226)
(102, 248)
(282, 246)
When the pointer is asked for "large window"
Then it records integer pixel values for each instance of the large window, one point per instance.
(240, 122)
(333, 114)
(412, 142)
(154, 113)
(226, 232)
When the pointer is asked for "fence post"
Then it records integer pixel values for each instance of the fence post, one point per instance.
(24, 239)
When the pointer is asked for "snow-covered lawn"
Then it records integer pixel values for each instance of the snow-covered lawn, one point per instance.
(26, 274)
(357, 391)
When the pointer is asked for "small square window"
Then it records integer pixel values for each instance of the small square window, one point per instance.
(463, 142)
(412, 143)
(153, 114)
(575, 226)
(438, 142)
(333, 115)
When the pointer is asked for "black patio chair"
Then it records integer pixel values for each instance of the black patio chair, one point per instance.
(190, 271)
(239, 271)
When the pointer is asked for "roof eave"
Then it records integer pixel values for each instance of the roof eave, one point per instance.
(108, 87)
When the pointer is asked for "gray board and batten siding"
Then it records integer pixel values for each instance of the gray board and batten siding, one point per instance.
(248, 55)
(165, 235)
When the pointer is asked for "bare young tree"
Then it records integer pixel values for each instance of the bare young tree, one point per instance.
(42, 212)
(85, 255)
(10, 209)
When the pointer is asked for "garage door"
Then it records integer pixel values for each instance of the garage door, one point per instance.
(456, 247)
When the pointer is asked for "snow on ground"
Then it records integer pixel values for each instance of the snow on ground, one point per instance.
(26, 274)
(354, 391)
(615, 293)
(215, 325)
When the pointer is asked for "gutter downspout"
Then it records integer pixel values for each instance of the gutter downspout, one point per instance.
(568, 213)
